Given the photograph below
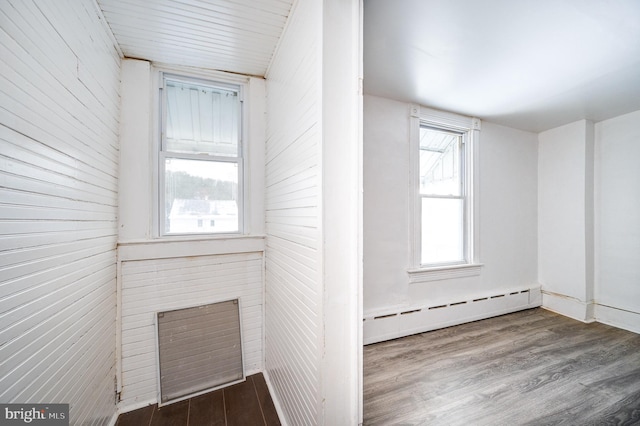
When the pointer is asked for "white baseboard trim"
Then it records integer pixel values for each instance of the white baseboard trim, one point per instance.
(274, 398)
(591, 311)
(405, 322)
(620, 318)
(568, 306)
(114, 418)
(136, 406)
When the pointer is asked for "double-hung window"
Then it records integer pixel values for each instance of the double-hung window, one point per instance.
(444, 228)
(200, 170)
(443, 197)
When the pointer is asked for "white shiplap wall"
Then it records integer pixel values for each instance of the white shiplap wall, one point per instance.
(293, 321)
(59, 107)
(152, 285)
(238, 36)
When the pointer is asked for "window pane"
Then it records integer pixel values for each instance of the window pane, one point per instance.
(440, 162)
(201, 119)
(200, 196)
(442, 230)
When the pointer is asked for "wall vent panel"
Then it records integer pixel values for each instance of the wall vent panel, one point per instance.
(199, 349)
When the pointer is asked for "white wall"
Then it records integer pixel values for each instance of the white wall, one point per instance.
(342, 212)
(589, 242)
(508, 206)
(565, 225)
(386, 203)
(507, 191)
(212, 268)
(312, 177)
(139, 140)
(59, 111)
(293, 181)
(136, 192)
(617, 203)
(153, 283)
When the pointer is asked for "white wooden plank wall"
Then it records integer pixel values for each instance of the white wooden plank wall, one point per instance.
(237, 36)
(149, 286)
(293, 321)
(59, 108)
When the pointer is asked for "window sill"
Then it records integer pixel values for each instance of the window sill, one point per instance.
(420, 275)
(182, 247)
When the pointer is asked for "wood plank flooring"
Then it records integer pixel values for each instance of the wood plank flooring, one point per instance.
(533, 367)
(244, 404)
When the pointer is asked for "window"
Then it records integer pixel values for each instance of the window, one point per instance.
(442, 197)
(444, 224)
(200, 175)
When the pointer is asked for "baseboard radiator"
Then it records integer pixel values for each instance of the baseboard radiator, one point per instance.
(199, 349)
(383, 326)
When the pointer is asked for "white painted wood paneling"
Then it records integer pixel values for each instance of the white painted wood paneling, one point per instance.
(59, 108)
(153, 285)
(228, 35)
(293, 323)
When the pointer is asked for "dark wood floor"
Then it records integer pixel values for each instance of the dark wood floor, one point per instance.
(528, 368)
(244, 404)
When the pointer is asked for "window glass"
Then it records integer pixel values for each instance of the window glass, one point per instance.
(201, 119)
(200, 196)
(442, 231)
(442, 197)
(440, 162)
(200, 158)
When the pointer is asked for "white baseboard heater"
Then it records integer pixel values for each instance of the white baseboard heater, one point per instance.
(389, 325)
(199, 349)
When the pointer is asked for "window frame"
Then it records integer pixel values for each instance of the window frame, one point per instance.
(468, 128)
(463, 196)
(162, 154)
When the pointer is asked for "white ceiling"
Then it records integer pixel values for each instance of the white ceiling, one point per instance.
(238, 36)
(527, 64)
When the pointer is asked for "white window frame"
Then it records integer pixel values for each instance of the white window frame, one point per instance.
(161, 154)
(469, 128)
